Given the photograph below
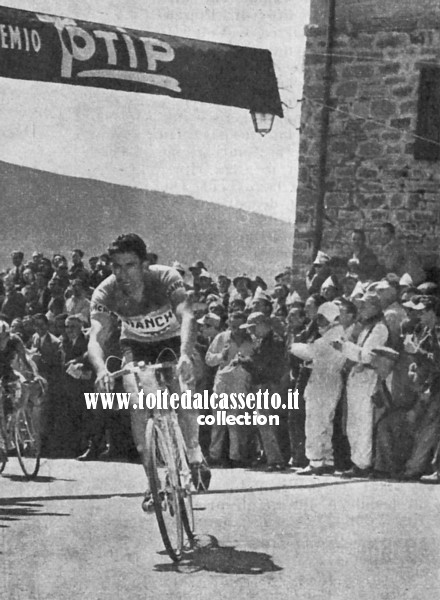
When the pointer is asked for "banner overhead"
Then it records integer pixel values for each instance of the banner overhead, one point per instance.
(41, 47)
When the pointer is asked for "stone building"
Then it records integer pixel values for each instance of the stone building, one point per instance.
(383, 137)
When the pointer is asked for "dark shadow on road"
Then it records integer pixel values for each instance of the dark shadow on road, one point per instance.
(38, 479)
(209, 492)
(207, 555)
(284, 487)
(13, 510)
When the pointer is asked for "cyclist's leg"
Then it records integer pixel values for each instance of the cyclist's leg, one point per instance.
(189, 426)
(138, 417)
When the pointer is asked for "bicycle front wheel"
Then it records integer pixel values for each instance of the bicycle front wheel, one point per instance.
(186, 504)
(26, 443)
(164, 487)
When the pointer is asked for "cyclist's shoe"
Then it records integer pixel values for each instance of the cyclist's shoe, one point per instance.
(148, 502)
(201, 476)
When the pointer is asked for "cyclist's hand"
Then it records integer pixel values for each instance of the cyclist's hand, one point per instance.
(104, 382)
(185, 368)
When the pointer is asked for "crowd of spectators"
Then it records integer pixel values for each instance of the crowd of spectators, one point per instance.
(361, 348)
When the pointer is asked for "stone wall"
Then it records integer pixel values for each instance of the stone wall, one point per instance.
(372, 176)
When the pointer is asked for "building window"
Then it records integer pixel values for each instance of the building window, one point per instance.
(427, 144)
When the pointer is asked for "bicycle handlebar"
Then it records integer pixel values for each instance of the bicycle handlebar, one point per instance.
(131, 368)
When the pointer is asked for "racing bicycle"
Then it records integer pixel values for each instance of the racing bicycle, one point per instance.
(19, 426)
(167, 467)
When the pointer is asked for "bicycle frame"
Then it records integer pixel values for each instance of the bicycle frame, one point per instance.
(165, 450)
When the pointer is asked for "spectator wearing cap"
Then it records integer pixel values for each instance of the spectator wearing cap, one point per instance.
(323, 389)
(267, 366)
(280, 294)
(368, 267)
(230, 377)
(348, 284)
(36, 259)
(16, 271)
(428, 288)
(423, 346)
(196, 268)
(279, 277)
(361, 384)
(318, 273)
(259, 283)
(242, 284)
(329, 289)
(262, 302)
(78, 303)
(218, 309)
(294, 300)
(206, 286)
(209, 327)
(396, 258)
(77, 269)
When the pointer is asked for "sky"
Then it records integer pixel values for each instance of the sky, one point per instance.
(152, 142)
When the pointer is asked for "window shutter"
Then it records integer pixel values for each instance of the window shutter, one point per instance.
(427, 145)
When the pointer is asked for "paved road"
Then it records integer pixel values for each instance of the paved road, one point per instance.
(78, 532)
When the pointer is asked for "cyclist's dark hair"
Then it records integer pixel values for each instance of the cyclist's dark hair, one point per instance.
(128, 242)
(389, 227)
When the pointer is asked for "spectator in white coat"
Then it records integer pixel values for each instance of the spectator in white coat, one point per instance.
(323, 389)
(361, 384)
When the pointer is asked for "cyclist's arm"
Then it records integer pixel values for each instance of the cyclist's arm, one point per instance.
(100, 331)
(183, 310)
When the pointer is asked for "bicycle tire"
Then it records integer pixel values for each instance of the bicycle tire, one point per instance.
(26, 444)
(164, 488)
(186, 505)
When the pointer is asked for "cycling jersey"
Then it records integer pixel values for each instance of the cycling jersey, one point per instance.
(150, 320)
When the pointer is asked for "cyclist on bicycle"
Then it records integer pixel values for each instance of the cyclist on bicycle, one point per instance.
(15, 369)
(151, 304)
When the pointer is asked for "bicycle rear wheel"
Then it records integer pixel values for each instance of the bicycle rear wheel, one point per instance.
(164, 487)
(26, 443)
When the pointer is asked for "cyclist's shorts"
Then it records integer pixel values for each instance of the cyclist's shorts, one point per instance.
(165, 350)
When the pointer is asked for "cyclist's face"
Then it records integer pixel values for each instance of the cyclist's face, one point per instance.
(128, 270)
